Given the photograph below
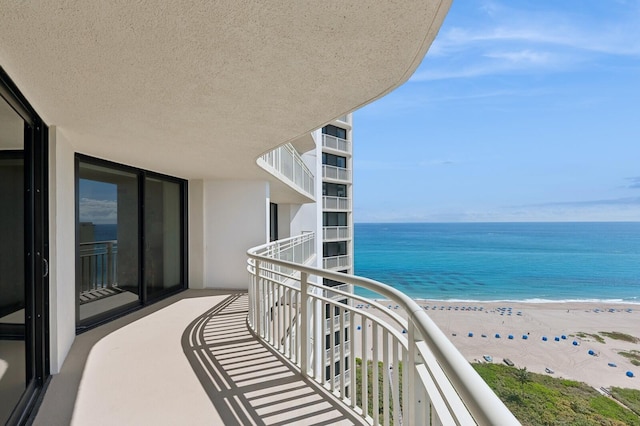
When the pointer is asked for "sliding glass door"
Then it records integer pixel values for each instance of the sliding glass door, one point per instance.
(108, 247)
(23, 255)
(13, 370)
(130, 238)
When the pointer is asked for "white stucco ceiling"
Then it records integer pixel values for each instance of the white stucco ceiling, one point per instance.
(199, 89)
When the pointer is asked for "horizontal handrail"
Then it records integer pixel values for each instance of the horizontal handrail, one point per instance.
(438, 374)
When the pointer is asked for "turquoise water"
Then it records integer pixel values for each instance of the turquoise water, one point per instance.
(503, 261)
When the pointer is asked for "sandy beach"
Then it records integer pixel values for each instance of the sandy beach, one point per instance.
(491, 324)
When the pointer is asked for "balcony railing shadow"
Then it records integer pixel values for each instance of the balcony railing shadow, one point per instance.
(159, 365)
(247, 382)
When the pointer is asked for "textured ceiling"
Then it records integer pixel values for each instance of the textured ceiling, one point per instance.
(199, 89)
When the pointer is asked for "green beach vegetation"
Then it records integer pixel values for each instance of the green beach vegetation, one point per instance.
(381, 374)
(633, 356)
(537, 399)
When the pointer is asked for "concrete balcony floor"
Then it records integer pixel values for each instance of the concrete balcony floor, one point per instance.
(189, 359)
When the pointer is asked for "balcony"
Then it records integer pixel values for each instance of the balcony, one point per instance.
(425, 380)
(292, 181)
(336, 203)
(228, 357)
(336, 173)
(336, 144)
(336, 233)
(334, 262)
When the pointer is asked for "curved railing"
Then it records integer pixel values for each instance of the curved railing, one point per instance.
(420, 378)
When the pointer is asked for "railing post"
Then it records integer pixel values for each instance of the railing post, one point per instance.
(109, 265)
(304, 324)
(257, 316)
(416, 397)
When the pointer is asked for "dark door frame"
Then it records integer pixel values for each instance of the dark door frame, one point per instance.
(36, 248)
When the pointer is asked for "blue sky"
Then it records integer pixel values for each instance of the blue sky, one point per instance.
(521, 111)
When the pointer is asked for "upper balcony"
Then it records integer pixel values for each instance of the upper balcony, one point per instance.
(336, 173)
(423, 379)
(291, 180)
(336, 233)
(337, 262)
(336, 203)
(334, 143)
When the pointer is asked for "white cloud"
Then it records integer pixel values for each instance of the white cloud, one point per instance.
(98, 211)
(500, 39)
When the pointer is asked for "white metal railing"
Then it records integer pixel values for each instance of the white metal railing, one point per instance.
(330, 233)
(336, 262)
(285, 163)
(336, 203)
(336, 173)
(420, 378)
(338, 144)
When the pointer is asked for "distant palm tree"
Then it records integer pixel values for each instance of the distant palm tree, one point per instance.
(522, 375)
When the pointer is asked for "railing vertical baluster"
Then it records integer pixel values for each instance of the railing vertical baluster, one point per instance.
(344, 366)
(406, 395)
(304, 324)
(332, 345)
(352, 359)
(395, 384)
(375, 377)
(385, 377)
(109, 264)
(417, 402)
(364, 369)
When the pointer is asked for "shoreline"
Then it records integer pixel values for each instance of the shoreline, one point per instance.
(544, 324)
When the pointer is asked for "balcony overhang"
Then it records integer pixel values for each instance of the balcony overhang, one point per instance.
(201, 89)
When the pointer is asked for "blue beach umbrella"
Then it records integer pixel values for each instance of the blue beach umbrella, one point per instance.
(525, 337)
(557, 339)
(575, 343)
(470, 334)
(591, 352)
(510, 337)
(497, 336)
(629, 373)
(544, 338)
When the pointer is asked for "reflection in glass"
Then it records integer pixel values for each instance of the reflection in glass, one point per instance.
(162, 246)
(13, 371)
(108, 239)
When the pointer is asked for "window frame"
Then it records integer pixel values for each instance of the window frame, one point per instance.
(143, 300)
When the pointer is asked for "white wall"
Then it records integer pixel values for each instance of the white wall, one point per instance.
(196, 233)
(62, 232)
(235, 219)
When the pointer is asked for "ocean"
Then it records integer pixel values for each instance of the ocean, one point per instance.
(531, 262)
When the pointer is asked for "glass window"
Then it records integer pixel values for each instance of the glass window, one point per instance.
(162, 247)
(337, 248)
(334, 189)
(334, 219)
(334, 160)
(13, 347)
(108, 239)
(335, 131)
(130, 238)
